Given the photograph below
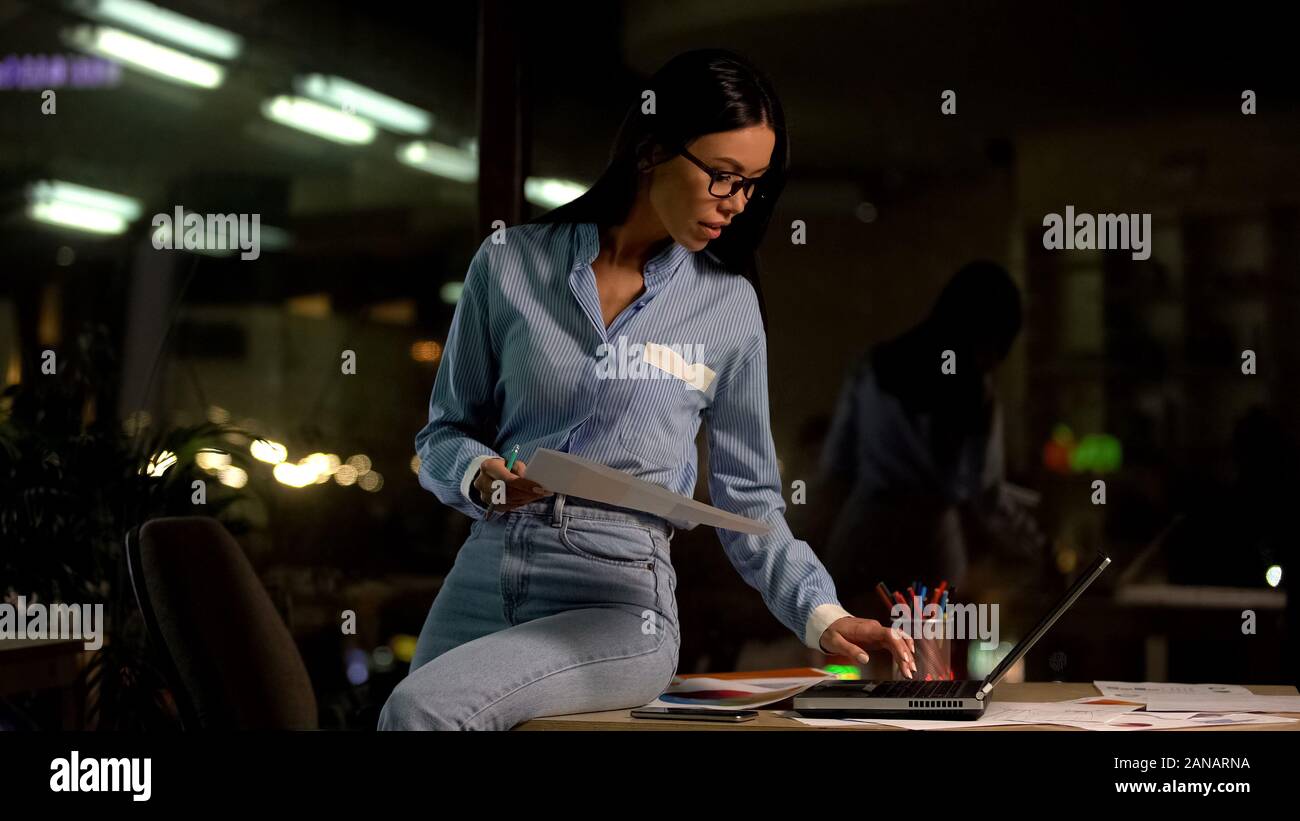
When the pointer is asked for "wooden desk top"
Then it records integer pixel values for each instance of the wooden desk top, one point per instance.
(766, 720)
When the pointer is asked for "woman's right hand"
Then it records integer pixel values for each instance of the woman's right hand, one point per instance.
(519, 490)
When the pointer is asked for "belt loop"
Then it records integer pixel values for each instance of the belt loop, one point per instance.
(557, 510)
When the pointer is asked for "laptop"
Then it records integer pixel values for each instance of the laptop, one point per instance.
(931, 699)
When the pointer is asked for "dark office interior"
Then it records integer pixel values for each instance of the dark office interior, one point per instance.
(1170, 381)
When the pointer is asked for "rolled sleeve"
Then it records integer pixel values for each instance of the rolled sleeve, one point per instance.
(823, 616)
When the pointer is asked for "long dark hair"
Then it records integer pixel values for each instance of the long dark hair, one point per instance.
(697, 92)
(978, 311)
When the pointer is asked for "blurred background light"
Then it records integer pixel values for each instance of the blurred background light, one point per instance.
(77, 217)
(164, 24)
(232, 476)
(211, 459)
(380, 109)
(80, 207)
(318, 119)
(403, 646)
(547, 192)
(294, 475)
(459, 164)
(267, 451)
(161, 461)
(358, 666)
(450, 292)
(426, 350)
(360, 462)
(1273, 576)
(125, 207)
(145, 55)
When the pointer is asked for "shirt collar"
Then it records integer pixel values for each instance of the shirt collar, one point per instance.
(661, 265)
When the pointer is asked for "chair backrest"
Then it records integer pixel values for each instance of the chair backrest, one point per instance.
(234, 662)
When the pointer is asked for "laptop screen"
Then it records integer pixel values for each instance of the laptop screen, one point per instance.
(1080, 584)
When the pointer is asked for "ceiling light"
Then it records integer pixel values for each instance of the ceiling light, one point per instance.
(380, 109)
(164, 24)
(145, 55)
(321, 120)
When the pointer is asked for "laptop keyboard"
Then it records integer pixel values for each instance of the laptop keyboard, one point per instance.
(917, 689)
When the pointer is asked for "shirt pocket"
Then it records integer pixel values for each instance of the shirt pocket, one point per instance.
(661, 418)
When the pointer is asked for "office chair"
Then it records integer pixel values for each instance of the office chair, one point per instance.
(228, 655)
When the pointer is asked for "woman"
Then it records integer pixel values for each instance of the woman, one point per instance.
(924, 444)
(565, 605)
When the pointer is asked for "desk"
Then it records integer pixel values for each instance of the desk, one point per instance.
(40, 664)
(766, 720)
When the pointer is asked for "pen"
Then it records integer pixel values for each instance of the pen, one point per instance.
(510, 465)
(883, 592)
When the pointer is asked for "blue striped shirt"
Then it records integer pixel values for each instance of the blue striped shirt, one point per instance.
(527, 361)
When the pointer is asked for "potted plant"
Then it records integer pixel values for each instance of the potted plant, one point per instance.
(73, 481)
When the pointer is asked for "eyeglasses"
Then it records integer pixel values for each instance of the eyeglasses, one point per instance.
(724, 184)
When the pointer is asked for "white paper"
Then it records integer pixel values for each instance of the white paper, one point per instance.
(1142, 690)
(819, 722)
(1226, 704)
(1171, 721)
(1112, 718)
(1050, 712)
(861, 723)
(575, 476)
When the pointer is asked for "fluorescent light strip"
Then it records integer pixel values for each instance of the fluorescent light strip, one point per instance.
(71, 215)
(166, 25)
(321, 120)
(444, 160)
(381, 109)
(56, 190)
(548, 192)
(146, 55)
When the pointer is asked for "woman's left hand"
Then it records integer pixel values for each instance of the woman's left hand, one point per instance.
(851, 637)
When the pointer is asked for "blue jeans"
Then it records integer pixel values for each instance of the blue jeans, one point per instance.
(559, 606)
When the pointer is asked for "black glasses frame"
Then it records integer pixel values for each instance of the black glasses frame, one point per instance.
(749, 184)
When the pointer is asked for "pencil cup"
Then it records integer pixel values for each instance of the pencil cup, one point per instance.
(933, 650)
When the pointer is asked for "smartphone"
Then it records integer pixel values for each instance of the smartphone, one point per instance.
(694, 714)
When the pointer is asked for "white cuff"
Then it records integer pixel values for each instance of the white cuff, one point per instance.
(465, 480)
(822, 616)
